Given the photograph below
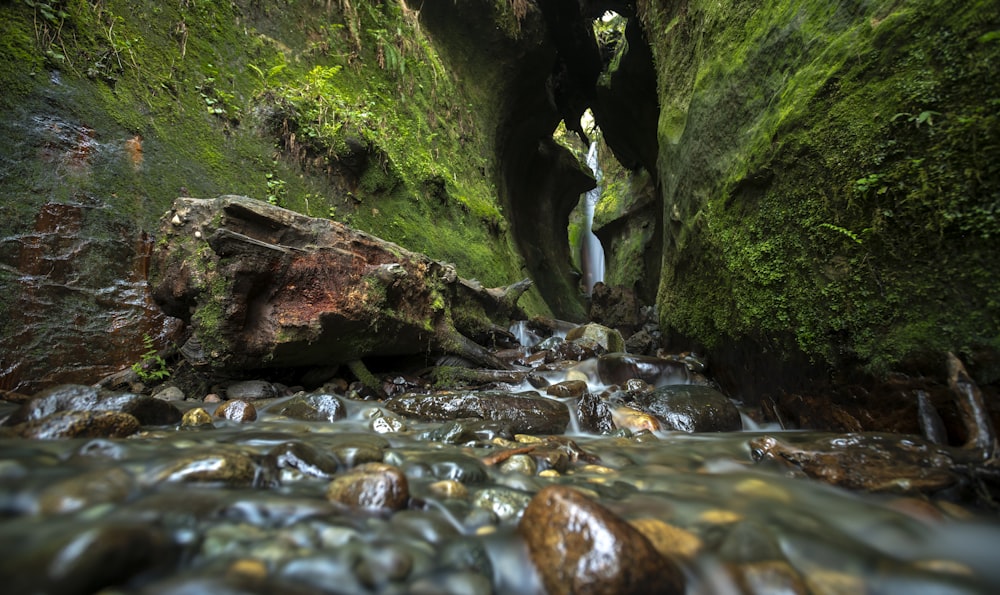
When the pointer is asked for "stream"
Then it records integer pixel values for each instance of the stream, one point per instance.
(214, 505)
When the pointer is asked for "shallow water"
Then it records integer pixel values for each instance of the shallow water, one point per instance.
(281, 533)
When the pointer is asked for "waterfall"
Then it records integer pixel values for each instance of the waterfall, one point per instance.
(591, 250)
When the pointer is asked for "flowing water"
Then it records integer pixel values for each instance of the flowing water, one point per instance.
(591, 250)
(156, 509)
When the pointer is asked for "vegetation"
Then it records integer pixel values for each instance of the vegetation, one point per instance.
(833, 168)
(151, 367)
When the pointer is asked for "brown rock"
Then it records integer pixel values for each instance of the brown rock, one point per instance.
(578, 546)
(668, 539)
(80, 424)
(525, 412)
(86, 489)
(239, 411)
(231, 468)
(372, 486)
(567, 388)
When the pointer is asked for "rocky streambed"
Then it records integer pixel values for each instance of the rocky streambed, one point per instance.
(575, 471)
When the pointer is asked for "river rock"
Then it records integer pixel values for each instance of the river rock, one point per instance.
(609, 339)
(456, 466)
(87, 559)
(594, 414)
(567, 389)
(670, 541)
(524, 412)
(196, 417)
(868, 461)
(170, 394)
(251, 390)
(691, 408)
(80, 424)
(505, 503)
(353, 449)
(578, 546)
(304, 459)
(314, 407)
(372, 486)
(229, 468)
(618, 368)
(86, 489)
(74, 397)
(239, 411)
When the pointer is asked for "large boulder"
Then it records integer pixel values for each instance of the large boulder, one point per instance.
(267, 287)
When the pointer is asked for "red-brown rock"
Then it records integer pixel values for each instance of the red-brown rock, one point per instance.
(578, 546)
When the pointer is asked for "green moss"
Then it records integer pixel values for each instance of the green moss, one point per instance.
(832, 169)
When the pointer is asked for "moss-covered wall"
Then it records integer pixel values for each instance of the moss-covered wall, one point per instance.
(830, 176)
(333, 109)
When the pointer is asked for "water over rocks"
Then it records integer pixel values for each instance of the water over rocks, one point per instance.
(614, 474)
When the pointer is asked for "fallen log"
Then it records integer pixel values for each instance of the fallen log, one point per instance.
(265, 287)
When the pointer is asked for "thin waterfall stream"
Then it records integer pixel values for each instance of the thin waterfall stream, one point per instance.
(591, 250)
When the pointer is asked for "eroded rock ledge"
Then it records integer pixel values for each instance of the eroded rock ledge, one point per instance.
(265, 287)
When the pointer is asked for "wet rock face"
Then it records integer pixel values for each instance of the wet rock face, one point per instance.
(526, 413)
(578, 546)
(93, 330)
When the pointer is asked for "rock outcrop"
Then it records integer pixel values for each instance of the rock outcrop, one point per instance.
(265, 287)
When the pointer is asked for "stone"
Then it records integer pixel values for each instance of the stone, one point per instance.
(251, 390)
(357, 449)
(229, 468)
(625, 417)
(525, 412)
(304, 459)
(451, 465)
(196, 417)
(372, 486)
(506, 503)
(170, 394)
(522, 464)
(609, 339)
(619, 368)
(298, 291)
(578, 546)
(87, 489)
(869, 461)
(239, 411)
(594, 414)
(89, 559)
(449, 489)
(691, 408)
(80, 424)
(670, 541)
(567, 389)
(73, 397)
(770, 576)
(616, 307)
(314, 407)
